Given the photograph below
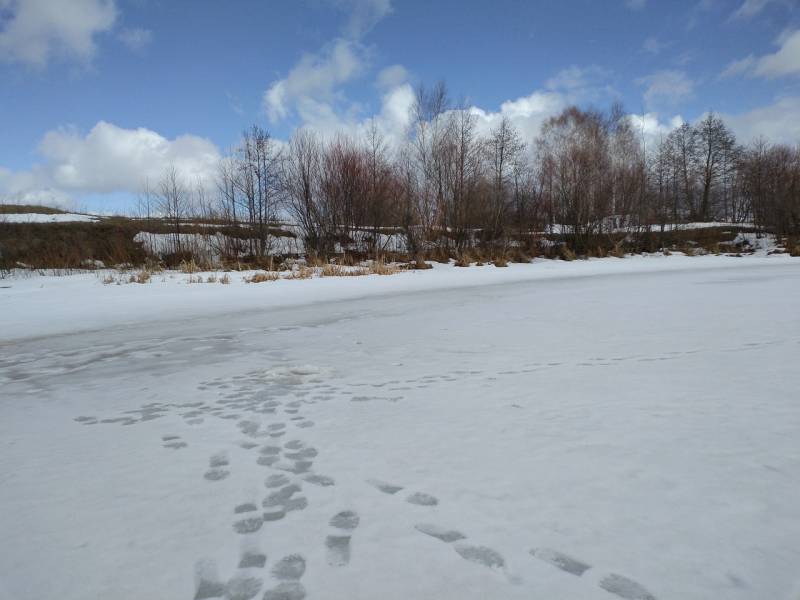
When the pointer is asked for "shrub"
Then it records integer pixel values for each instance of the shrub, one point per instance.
(565, 253)
(378, 267)
(188, 266)
(261, 277)
(139, 277)
(225, 279)
(463, 260)
(301, 272)
(500, 262)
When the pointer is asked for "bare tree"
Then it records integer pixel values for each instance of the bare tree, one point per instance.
(174, 201)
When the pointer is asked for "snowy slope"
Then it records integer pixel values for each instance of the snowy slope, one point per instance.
(632, 434)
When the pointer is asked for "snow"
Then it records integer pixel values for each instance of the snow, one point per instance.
(586, 430)
(33, 305)
(43, 218)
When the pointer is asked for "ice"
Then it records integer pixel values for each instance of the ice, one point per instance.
(598, 429)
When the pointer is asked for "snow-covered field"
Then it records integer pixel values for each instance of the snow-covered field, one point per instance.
(46, 218)
(588, 430)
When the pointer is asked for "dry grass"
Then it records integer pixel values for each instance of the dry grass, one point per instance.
(301, 272)
(419, 263)
(500, 262)
(188, 266)
(378, 267)
(463, 260)
(261, 277)
(141, 277)
(565, 253)
(333, 270)
(225, 279)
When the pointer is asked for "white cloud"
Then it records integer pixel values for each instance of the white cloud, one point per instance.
(364, 15)
(786, 61)
(739, 67)
(314, 79)
(136, 39)
(635, 4)
(651, 129)
(392, 77)
(778, 122)
(312, 86)
(108, 159)
(783, 63)
(35, 31)
(751, 8)
(666, 88)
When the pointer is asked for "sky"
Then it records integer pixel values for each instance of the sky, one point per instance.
(98, 96)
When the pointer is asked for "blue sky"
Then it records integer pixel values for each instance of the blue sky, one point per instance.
(97, 95)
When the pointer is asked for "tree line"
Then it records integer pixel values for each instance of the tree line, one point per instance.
(588, 174)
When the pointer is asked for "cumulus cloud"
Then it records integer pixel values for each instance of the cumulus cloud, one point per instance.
(778, 122)
(392, 77)
(136, 39)
(666, 88)
(783, 63)
(311, 87)
(652, 129)
(314, 80)
(35, 31)
(108, 159)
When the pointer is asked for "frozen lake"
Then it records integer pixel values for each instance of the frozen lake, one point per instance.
(630, 435)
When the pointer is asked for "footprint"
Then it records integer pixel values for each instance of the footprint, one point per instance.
(277, 480)
(386, 488)
(298, 467)
(289, 590)
(207, 584)
(294, 445)
(625, 588)
(321, 480)
(252, 560)
(347, 520)
(248, 525)
(338, 544)
(298, 503)
(216, 474)
(422, 499)
(481, 555)
(302, 454)
(561, 561)
(446, 535)
(218, 460)
(289, 568)
(175, 445)
(242, 587)
(305, 424)
(279, 497)
(248, 445)
(273, 514)
(244, 508)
